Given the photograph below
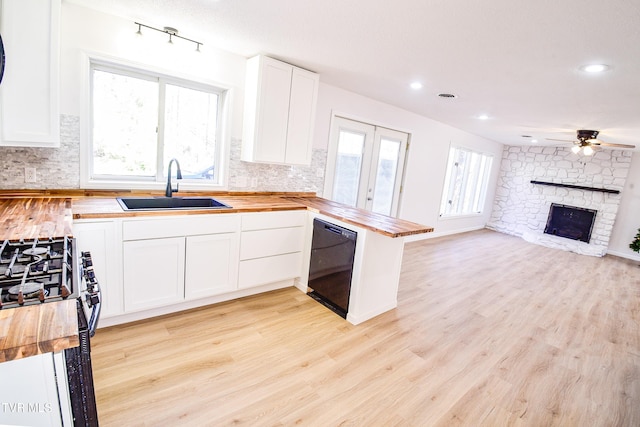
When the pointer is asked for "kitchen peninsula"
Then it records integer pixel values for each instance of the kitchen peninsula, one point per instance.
(261, 243)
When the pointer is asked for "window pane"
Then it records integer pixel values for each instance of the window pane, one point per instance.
(386, 176)
(125, 119)
(348, 165)
(190, 131)
(465, 183)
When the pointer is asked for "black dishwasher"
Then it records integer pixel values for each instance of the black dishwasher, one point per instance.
(332, 252)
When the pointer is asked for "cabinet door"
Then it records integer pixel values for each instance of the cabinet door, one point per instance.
(153, 272)
(29, 98)
(101, 239)
(302, 114)
(30, 392)
(273, 111)
(279, 112)
(211, 265)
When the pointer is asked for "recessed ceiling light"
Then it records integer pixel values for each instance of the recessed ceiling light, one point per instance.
(534, 141)
(483, 117)
(416, 85)
(594, 68)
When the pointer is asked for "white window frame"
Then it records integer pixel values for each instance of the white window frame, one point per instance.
(221, 162)
(479, 191)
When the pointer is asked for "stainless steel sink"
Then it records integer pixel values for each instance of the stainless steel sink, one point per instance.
(169, 203)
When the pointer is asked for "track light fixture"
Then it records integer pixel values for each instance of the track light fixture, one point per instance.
(172, 32)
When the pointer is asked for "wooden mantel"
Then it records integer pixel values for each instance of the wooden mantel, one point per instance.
(577, 187)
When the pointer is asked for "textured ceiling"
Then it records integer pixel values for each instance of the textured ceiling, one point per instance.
(514, 60)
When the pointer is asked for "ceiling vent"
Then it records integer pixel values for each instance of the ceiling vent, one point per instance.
(446, 95)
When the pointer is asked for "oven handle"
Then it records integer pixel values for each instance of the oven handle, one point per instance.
(95, 315)
(92, 294)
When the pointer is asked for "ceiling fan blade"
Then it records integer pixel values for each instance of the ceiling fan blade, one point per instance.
(609, 144)
(562, 140)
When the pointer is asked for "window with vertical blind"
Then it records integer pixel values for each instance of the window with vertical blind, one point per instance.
(465, 183)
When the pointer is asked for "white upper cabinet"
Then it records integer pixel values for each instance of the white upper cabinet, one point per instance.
(29, 93)
(279, 113)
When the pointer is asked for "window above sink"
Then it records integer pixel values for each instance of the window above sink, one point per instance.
(140, 119)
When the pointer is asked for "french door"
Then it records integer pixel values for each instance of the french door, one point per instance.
(365, 165)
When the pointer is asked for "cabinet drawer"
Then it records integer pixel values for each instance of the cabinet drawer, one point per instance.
(264, 243)
(261, 271)
(267, 220)
(174, 226)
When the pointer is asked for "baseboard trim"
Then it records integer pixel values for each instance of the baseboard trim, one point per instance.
(624, 255)
(433, 235)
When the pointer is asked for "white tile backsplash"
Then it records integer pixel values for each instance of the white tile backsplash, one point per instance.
(56, 168)
(59, 168)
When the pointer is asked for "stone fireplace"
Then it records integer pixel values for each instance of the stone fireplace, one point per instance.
(591, 183)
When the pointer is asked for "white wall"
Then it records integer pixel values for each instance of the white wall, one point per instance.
(84, 31)
(428, 153)
(628, 219)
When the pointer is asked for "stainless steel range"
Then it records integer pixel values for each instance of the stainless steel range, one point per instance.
(38, 271)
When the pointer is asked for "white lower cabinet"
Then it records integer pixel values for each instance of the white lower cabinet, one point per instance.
(211, 265)
(153, 272)
(259, 271)
(164, 264)
(103, 239)
(271, 246)
(169, 260)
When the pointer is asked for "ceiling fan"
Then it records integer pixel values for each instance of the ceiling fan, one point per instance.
(587, 140)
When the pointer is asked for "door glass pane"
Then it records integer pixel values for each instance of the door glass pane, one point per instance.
(348, 166)
(190, 131)
(386, 176)
(125, 118)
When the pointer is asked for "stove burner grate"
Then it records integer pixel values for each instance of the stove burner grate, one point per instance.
(36, 271)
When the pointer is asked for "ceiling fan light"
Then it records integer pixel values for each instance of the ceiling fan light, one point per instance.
(588, 151)
(575, 149)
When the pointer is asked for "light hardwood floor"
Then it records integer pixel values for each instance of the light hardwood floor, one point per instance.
(489, 331)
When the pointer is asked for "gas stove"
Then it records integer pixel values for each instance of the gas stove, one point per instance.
(37, 271)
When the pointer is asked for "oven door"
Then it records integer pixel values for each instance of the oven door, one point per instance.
(78, 359)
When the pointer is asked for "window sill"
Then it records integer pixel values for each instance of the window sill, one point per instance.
(151, 186)
(461, 216)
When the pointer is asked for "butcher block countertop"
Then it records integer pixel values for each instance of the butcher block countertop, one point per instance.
(378, 223)
(108, 207)
(34, 217)
(36, 329)
(31, 214)
(49, 213)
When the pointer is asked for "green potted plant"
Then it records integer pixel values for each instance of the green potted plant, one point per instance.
(635, 244)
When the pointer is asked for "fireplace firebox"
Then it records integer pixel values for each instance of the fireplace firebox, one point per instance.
(570, 222)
